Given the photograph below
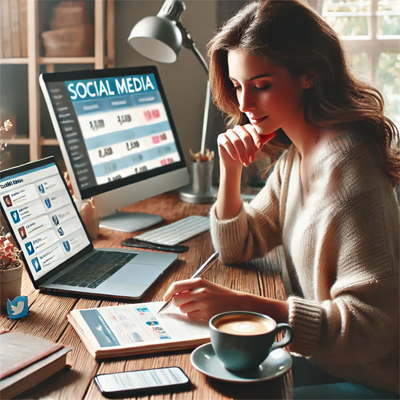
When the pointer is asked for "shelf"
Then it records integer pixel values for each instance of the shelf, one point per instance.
(26, 141)
(48, 142)
(54, 60)
(103, 57)
(66, 60)
(13, 61)
(72, 60)
(18, 141)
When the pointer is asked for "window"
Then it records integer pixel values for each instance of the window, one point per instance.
(370, 33)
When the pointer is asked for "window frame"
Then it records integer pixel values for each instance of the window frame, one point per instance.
(371, 44)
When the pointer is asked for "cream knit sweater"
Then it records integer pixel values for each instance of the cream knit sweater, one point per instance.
(341, 241)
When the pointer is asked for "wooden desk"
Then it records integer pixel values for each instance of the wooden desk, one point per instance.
(47, 318)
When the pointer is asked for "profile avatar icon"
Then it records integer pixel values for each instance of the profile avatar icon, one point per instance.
(67, 246)
(7, 200)
(41, 188)
(22, 232)
(29, 248)
(55, 220)
(47, 201)
(60, 231)
(36, 264)
(15, 216)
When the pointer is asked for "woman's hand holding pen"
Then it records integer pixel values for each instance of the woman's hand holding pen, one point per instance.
(239, 145)
(201, 299)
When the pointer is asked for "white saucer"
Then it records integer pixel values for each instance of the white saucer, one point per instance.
(204, 360)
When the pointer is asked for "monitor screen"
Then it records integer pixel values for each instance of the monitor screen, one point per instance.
(115, 130)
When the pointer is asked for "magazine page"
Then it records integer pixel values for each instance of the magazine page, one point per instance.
(134, 328)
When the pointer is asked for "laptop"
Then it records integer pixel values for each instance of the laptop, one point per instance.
(46, 226)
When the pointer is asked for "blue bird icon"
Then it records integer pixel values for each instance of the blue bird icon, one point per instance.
(17, 308)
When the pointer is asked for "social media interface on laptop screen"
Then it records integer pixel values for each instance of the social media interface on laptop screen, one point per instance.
(43, 218)
(113, 127)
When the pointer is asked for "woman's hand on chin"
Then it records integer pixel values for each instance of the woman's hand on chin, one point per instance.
(239, 145)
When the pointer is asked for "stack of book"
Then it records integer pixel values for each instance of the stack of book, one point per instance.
(71, 31)
(13, 29)
(27, 360)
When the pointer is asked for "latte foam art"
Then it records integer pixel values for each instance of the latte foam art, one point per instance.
(246, 326)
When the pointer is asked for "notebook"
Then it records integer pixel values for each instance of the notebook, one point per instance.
(26, 361)
(56, 249)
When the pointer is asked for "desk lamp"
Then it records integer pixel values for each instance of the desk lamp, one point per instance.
(160, 38)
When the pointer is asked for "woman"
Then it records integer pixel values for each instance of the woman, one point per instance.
(330, 200)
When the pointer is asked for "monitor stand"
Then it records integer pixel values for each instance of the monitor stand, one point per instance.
(129, 222)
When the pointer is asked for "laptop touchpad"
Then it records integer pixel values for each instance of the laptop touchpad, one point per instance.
(136, 273)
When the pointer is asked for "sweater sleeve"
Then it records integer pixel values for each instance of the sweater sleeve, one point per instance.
(257, 228)
(361, 323)
(351, 310)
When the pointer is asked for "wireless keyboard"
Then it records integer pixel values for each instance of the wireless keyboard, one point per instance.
(178, 231)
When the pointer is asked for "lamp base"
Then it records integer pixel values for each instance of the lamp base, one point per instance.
(187, 195)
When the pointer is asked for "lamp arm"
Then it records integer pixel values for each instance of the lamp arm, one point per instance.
(200, 57)
(188, 42)
(205, 119)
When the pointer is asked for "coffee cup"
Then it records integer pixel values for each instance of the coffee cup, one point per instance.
(242, 340)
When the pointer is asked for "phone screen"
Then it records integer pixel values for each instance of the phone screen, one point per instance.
(149, 380)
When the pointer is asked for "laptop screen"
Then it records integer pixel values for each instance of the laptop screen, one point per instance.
(40, 212)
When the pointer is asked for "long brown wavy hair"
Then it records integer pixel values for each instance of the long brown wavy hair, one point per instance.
(289, 33)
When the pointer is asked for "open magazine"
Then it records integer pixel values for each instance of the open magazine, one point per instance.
(136, 329)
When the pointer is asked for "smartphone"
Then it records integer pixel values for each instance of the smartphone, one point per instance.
(143, 382)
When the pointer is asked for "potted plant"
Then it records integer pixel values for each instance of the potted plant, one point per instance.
(5, 155)
(10, 272)
(10, 262)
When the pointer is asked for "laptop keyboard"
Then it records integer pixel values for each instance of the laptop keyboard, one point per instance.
(95, 270)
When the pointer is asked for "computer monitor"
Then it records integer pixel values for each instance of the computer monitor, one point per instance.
(117, 137)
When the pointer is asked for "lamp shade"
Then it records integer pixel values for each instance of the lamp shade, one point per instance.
(156, 38)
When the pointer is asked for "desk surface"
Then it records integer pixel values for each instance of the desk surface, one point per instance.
(47, 318)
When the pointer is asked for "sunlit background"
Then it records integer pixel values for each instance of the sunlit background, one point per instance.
(370, 31)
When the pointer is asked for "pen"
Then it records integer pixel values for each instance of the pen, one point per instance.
(202, 270)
